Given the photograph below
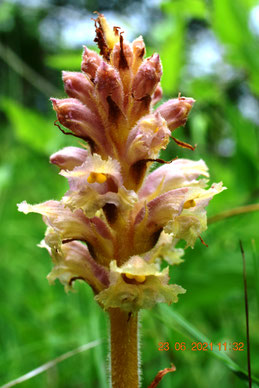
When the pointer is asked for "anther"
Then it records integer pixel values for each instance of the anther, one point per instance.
(96, 177)
(101, 178)
(138, 278)
(188, 204)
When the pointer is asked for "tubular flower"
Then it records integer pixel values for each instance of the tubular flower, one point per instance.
(116, 223)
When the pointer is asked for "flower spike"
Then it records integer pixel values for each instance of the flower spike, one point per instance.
(117, 221)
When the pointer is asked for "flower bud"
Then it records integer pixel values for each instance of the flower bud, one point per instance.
(77, 85)
(109, 87)
(91, 61)
(147, 77)
(176, 111)
(69, 157)
(80, 120)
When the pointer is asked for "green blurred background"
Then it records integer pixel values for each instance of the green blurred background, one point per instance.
(209, 51)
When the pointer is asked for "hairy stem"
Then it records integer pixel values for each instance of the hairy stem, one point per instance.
(124, 349)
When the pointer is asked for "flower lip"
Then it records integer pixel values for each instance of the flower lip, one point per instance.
(138, 284)
(136, 266)
(179, 173)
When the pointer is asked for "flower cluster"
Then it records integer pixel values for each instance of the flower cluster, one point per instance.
(117, 223)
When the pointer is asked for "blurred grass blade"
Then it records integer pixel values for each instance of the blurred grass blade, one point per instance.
(30, 127)
(169, 316)
(35, 79)
(52, 363)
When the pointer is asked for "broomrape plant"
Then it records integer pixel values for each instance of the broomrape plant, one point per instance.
(117, 223)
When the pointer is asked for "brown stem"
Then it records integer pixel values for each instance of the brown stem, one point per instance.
(124, 349)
